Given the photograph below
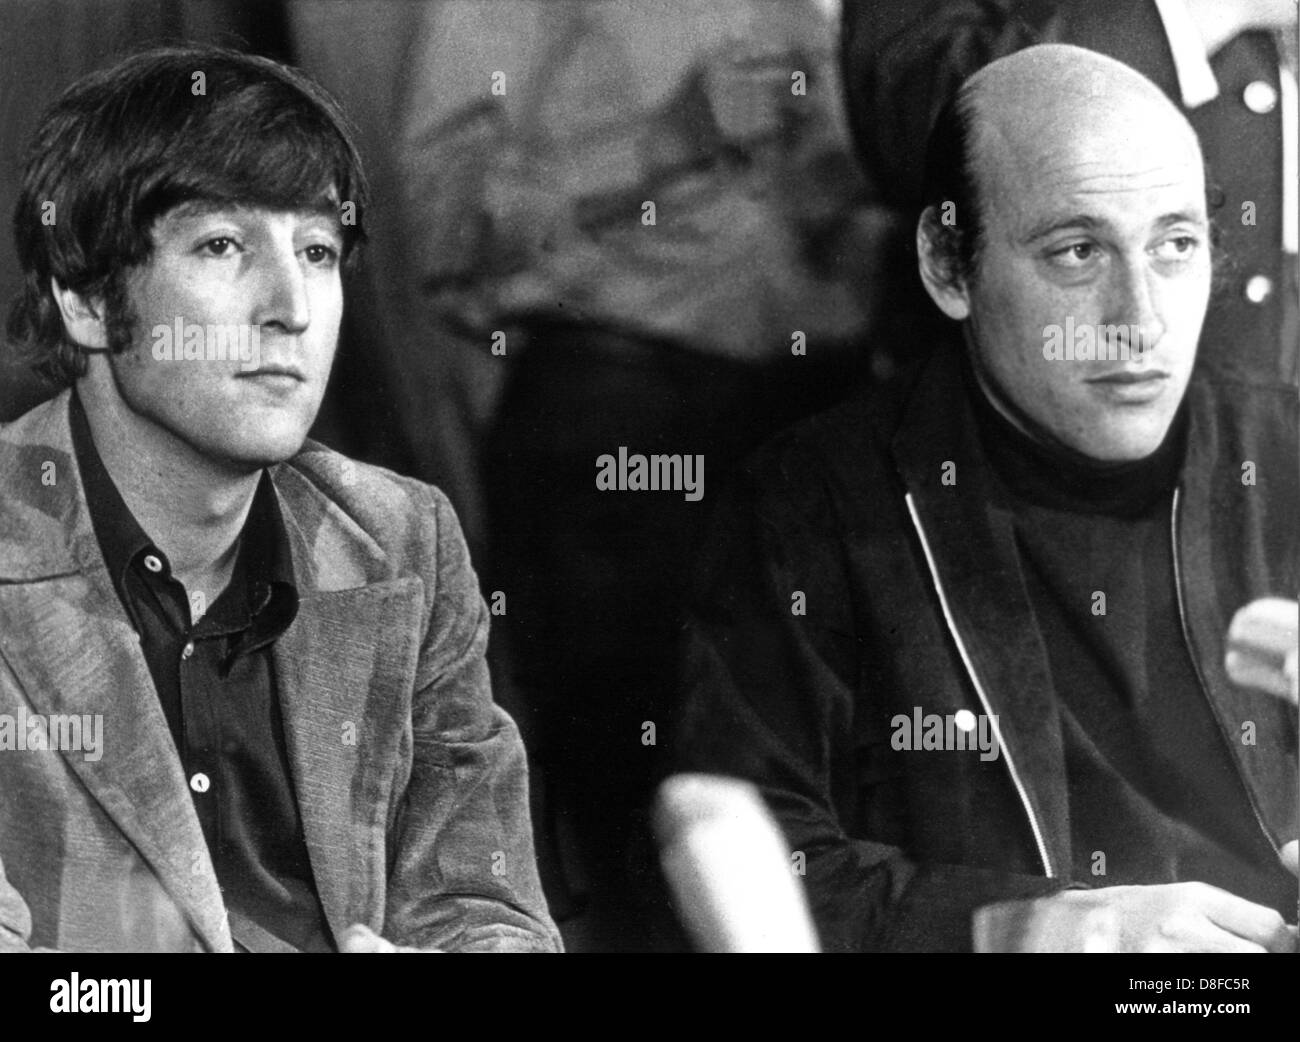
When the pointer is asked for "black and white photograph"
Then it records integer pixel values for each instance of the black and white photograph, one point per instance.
(650, 477)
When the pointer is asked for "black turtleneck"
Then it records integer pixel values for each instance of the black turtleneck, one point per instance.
(1152, 785)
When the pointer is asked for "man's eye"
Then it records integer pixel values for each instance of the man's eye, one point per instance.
(218, 247)
(321, 254)
(1179, 248)
(1076, 254)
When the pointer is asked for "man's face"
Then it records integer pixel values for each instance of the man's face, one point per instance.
(1097, 222)
(270, 277)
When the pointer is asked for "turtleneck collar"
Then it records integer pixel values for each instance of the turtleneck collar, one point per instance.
(1038, 468)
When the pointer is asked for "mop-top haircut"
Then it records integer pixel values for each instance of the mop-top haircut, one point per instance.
(124, 146)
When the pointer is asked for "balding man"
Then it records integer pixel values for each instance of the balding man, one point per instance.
(969, 642)
(1230, 65)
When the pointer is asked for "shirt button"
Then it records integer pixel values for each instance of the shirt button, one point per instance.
(188, 650)
(1259, 288)
(152, 563)
(1260, 97)
(200, 782)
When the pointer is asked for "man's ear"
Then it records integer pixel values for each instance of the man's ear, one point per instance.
(946, 288)
(83, 318)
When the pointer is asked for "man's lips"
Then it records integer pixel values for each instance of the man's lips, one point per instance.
(279, 382)
(1130, 387)
(277, 371)
(1129, 376)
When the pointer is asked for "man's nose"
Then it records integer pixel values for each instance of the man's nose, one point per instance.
(281, 293)
(1135, 306)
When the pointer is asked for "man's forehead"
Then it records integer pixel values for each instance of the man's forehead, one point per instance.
(1096, 193)
(1095, 165)
(1126, 139)
(1051, 86)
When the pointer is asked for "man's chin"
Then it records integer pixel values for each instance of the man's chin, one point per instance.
(1124, 445)
(248, 458)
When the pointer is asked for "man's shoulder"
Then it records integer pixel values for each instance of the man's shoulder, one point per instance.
(828, 470)
(1246, 412)
(1235, 391)
(363, 488)
(38, 503)
(402, 518)
(35, 451)
(42, 424)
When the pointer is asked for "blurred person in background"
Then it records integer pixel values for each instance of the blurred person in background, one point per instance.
(641, 224)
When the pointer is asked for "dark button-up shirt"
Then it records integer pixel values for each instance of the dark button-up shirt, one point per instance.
(213, 671)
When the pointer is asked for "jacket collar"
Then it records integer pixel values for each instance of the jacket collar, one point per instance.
(46, 531)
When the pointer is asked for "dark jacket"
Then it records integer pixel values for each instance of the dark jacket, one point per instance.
(912, 597)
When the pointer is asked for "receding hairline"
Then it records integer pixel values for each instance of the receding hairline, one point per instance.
(1096, 85)
(1098, 89)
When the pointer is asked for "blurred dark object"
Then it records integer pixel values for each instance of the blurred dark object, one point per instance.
(594, 582)
(653, 213)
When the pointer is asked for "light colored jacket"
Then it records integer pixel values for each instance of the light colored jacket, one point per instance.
(411, 782)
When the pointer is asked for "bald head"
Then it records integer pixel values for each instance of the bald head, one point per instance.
(1056, 89)
(1064, 117)
(1034, 106)
(1065, 192)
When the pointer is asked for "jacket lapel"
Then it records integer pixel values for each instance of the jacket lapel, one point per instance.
(76, 653)
(83, 660)
(970, 537)
(343, 672)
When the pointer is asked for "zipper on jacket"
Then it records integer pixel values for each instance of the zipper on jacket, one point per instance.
(979, 688)
(1200, 677)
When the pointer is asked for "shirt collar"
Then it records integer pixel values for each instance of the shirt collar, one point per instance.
(1044, 471)
(121, 539)
(265, 559)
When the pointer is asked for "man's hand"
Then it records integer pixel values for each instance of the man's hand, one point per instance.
(1173, 917)
(358, 939)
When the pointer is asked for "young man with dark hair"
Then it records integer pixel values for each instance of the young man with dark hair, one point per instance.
(243, 699)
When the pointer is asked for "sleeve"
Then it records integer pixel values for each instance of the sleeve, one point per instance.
(15, 918)
(464, 877)
(772, 696)
(903, 61)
